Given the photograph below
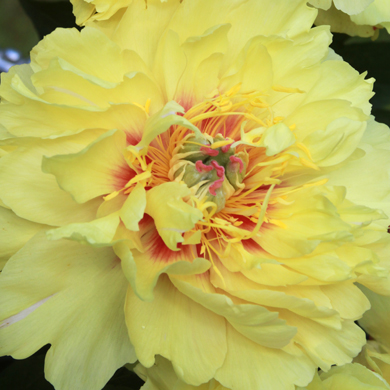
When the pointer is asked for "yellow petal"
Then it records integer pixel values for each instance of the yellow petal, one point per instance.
(170, 326)
(336, 143)
(20, 174)
(352, 7)
(279, 370)
(171, 214)
(376, 320)
(99, 232)
(143, 262)
(15, 232)
(133, 208)
(253, 321)
(72, 298)
(98, 169)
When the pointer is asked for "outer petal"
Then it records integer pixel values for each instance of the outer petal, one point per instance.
(255, 322)
(323, 4)
(99, 232)
(72, 297)
(336, 143)
(261, 18)
(181, 330)
(162, 376)
(82, 10)
(342, 23)
(327, 346)
(352, 7)
(98, 169)
(279, 370)
(377, 12)
(46, 203)
(15, 232)
(374, 190)
(135, 19)
(352, 377)
(146, 258)
(109, 65)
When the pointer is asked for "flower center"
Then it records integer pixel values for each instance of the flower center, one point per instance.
(210, 167)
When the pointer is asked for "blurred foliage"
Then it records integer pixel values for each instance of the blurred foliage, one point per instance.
(373, 57)
(48, 15)
(28, 374)
(17, 31)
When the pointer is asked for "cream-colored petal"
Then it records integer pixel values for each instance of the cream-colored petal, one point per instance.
(352, 7)
(323, 4)
(72, 297)
(377, 12)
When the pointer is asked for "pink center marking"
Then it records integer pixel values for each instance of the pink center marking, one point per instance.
(200, 167)
(226, 148)
(237, 160)
(218, 183)
(209, 151)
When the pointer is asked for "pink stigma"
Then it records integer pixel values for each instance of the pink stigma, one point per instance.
(218, 183)
(236, 160)
(226, 148)
(200, 167)
(220, 170)
(209, 151)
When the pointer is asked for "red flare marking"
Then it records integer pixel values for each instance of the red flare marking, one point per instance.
(209, 151)
(226, 148)
(237, 160)
(200, 167)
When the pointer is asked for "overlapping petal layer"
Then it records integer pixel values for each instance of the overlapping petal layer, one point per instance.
(349, 377)
(354, 17)
(214, 159)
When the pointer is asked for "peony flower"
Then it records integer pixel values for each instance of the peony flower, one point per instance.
(348, 377)
(354, 17)
(170, 188)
